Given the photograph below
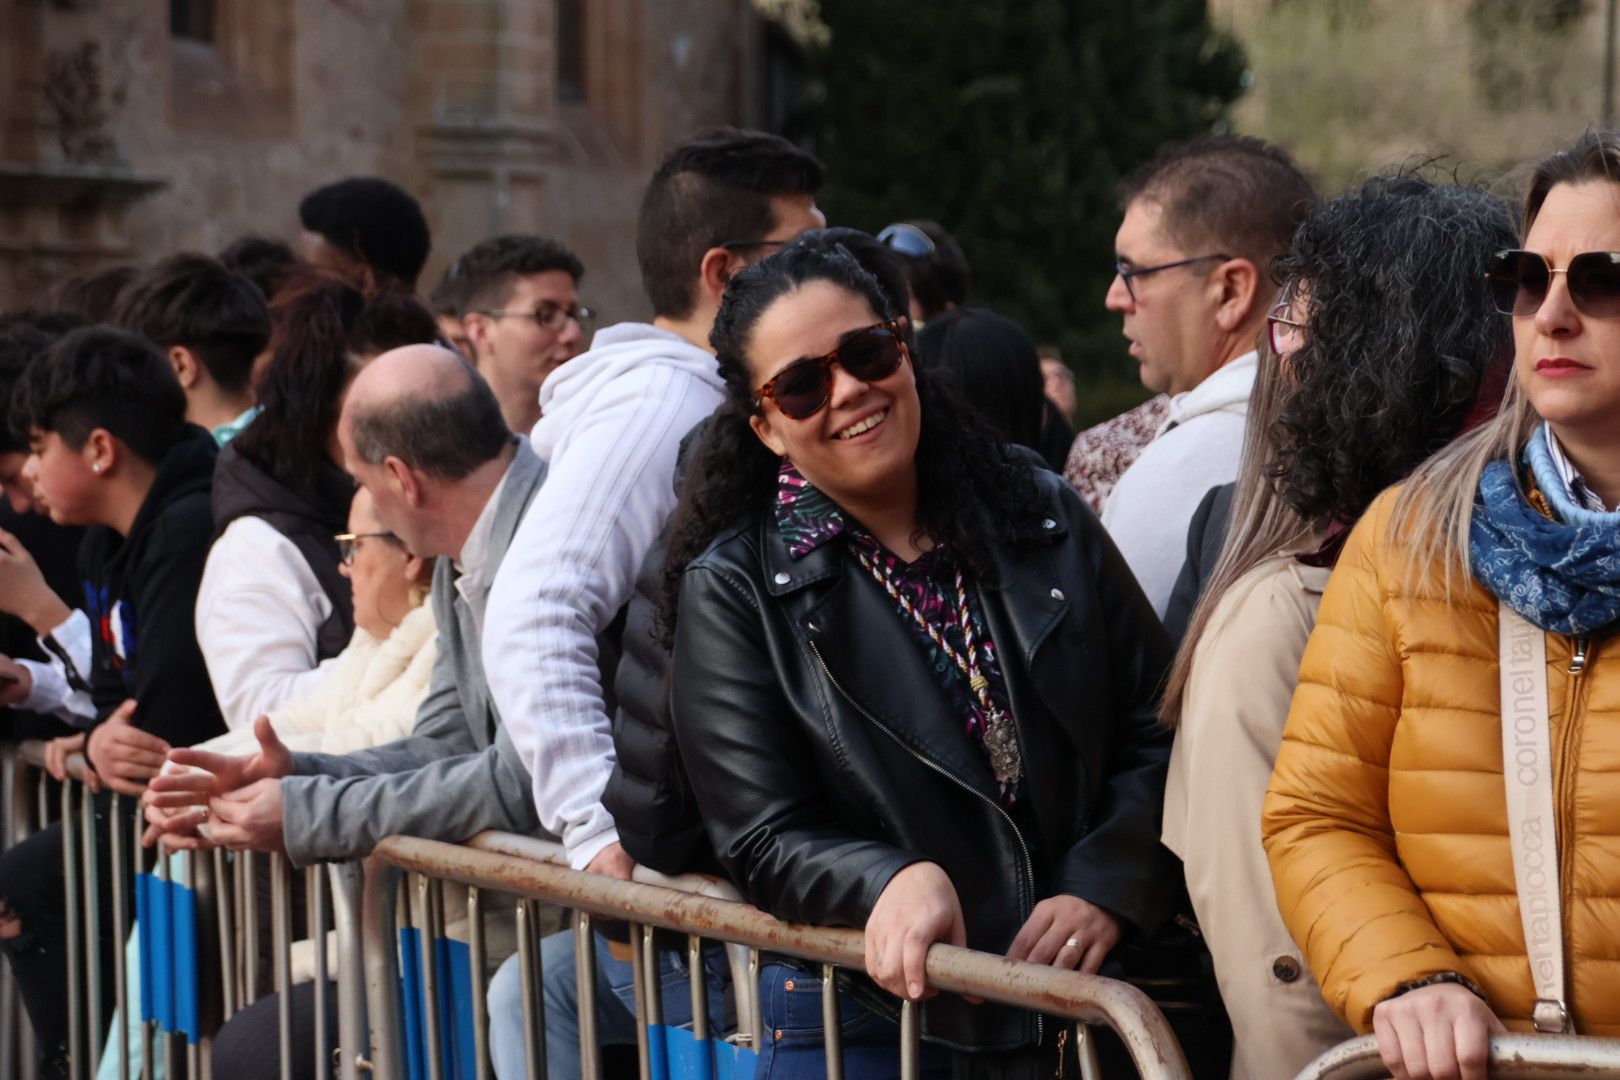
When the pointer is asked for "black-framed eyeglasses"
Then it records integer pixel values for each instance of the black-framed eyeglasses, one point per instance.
(1520, 281)
(548, 315)
(346, 543)
(743, 245)
(906, 239)
(1128, 274)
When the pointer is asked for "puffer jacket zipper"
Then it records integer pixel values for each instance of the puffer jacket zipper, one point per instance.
(1564, 770)
(1026, 866)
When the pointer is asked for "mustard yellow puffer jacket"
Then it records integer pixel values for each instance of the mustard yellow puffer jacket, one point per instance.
(1386, 820)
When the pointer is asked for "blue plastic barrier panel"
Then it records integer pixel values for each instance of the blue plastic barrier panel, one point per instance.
(147, 946)
(410, 976)
(460, 1053)
(734, 1062)
(687, 1059)
(185, 962)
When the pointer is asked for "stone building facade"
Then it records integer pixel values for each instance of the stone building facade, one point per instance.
(131, 128)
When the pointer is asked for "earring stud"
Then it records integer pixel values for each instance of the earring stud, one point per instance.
(96, 467)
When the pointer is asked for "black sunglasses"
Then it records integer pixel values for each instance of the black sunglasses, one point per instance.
(1521, 280)
(802, 388)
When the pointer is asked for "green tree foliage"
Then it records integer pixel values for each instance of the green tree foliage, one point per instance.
(1011, 122)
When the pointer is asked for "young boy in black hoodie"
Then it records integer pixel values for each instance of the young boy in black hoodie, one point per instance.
(104, 419)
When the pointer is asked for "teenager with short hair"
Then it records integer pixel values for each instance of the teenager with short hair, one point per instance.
(212, 324)
(519, 304)
(104, 417)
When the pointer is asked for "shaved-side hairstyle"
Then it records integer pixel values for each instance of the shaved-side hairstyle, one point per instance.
(446, 437)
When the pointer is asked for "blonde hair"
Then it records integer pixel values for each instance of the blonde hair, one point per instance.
(1435, 510)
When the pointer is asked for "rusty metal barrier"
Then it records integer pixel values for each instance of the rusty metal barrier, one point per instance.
(505, 864)
(1513, 1057)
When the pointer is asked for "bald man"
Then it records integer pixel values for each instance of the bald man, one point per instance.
(422, 433)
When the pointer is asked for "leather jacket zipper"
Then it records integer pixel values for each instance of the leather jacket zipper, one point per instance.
(1025, 864)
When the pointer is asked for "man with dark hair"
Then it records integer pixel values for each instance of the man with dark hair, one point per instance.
(104, 418)
(422, 433)
(365, 226)
(212, 323)
(1202, 224)
(611, 427)
(520, 306)
(936, 267)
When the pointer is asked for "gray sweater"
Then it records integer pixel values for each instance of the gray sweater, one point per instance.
(457, 773)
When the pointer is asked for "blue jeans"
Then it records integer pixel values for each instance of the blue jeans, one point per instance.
(615, 1003)
(793, 1047)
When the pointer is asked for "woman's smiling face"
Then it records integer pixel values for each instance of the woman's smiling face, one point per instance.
(863, 441)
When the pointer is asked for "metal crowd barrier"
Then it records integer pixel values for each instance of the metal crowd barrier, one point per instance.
(1513, 1057)
(503, 863)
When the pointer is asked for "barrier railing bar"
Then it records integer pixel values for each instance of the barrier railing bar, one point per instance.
(281, 944)
(638, 982)
(315, 889)
(194, 880)
(70, 874)
(248, 887)
(1513, 1057)
(653, 988)
(379, 932)
(910, 1041)
(90, 903)
(695, 972)
(475, 960)
(1085, 1049)
(121, 922)
(534, 1043)
(756, 1022)
(1142, 1028)
(832, 1032)
(224, 910)
(165, 1039)
(427, 944)
(590, 1062)
(10, 1021)
(352, 1035)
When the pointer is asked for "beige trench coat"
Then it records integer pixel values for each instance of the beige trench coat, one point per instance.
(1231, 727)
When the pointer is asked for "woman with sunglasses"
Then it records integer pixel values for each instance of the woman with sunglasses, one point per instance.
(1349, 399)
(1471, 622)
(913, 682)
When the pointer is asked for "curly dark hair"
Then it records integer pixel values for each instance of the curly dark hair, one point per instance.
(1401, 336)
(970, 486)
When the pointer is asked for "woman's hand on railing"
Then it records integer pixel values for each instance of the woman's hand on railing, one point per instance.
(1066, 932)
(57, 751)
(207, 775)
(1441, 1032)
(125, 756)
(917, 908)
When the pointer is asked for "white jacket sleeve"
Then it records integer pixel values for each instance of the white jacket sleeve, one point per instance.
(259, 608)
(569, 570)
(54, 692)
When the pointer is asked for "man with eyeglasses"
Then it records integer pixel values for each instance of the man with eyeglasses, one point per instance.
(521, 312)
(1202, 224)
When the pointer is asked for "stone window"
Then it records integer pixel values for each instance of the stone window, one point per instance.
(192, 20)
(570, 39)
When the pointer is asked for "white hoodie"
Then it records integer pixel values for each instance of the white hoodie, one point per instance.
(1198, 447)
(611, 425)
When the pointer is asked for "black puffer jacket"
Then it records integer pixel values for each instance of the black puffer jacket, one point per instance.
(825, 756)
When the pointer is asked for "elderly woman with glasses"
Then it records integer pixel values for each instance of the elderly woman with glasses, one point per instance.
(913, 681)
(1382, 343)
(1442, 824)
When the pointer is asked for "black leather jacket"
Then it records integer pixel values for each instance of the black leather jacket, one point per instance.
(826, 758)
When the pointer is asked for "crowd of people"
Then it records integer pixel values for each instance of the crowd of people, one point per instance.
(1292, 680)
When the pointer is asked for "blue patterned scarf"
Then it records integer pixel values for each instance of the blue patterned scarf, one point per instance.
(1564, 575)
